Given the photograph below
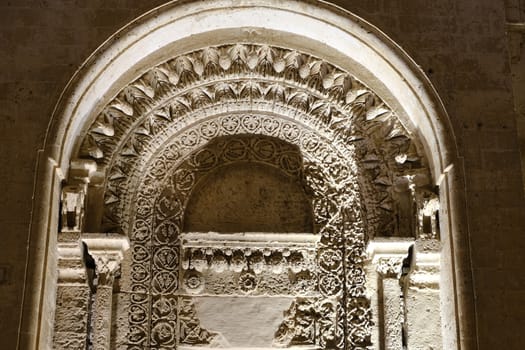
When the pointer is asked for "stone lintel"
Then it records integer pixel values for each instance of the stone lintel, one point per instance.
(201, 239)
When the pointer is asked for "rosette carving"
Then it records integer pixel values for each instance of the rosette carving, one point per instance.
(153, 108)
(315, 122)
(247, 281)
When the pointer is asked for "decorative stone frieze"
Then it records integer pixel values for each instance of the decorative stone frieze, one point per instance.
(260, 263)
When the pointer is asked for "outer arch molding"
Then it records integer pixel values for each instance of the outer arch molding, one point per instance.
(324, 30)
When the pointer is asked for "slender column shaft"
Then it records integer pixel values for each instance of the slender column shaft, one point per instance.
(101, 317)
(387, 256)
(107, 252)
(393, 315)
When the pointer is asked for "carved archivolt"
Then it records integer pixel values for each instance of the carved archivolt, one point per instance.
(283, 83)
(286, 109)
(159, 220)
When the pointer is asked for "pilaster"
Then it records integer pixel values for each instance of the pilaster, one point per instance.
(389, 257)
(107, 251)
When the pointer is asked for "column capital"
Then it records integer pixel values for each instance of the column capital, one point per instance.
(387, 255)
(389, 267)
(107, 249)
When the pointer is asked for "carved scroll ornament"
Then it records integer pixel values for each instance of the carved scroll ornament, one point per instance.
(239, 78)
(153, 140)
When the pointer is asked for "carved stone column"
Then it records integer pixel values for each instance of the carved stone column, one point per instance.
(387, 256)
(72, 295)
(107, 250)
(389, 270)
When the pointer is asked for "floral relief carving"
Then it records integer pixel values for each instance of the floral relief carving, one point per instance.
(151, 109)
(248, 264)
(247, 281)
(390, 267)
(273, 261)
(315, 122)
(299, 325)
(190, 330)
(193, 282)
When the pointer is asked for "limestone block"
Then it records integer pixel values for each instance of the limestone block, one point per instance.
(251, 321)
(69, 341)
(120, 322)
(71, 312)
(264, 201)
(423, 319)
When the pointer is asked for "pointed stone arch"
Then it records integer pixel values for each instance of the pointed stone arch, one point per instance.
(339, 80)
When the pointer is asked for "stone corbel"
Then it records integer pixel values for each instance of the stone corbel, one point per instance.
(74, 195)
(427, 209)
(107, 251)
(73, 198)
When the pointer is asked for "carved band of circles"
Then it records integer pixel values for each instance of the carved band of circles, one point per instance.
(119, 187)
(304, 81)
(136, 111)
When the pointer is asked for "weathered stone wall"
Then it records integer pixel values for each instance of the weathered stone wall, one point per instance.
(265, 200)
(460, 44)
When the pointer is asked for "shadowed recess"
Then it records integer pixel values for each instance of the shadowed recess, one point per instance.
(248, 197)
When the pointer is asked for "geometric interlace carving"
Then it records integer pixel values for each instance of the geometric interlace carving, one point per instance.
(156, 243)
(247, 102)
